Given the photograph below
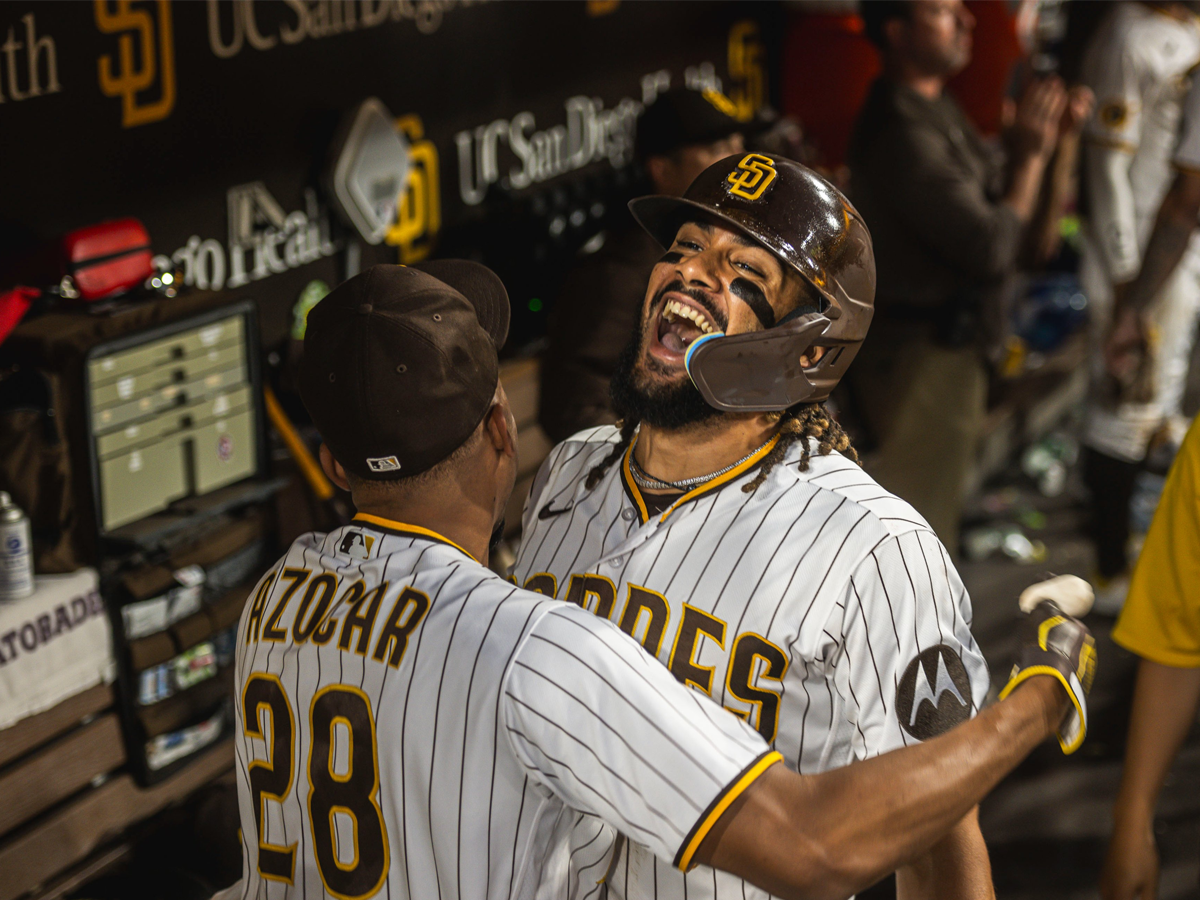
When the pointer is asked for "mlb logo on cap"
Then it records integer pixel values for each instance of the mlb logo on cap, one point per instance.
(383, 463)
(384, 348)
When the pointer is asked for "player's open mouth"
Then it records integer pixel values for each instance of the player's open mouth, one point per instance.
(679, 324)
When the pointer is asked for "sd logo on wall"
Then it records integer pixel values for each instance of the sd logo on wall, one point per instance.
(419, 206)
(745, 62)
(142, 70)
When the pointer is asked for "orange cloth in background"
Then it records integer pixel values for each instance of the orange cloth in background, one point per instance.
(828, 65)
(981, 87)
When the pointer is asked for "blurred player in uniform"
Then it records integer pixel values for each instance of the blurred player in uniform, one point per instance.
(411, 725)
(1138, 64)
(727, 526)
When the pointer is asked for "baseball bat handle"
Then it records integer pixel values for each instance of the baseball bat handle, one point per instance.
(1069, 593)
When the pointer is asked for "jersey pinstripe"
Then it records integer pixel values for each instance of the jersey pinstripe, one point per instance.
(411, 725)
(1139, 65)
(1187, 152)
(820, 608)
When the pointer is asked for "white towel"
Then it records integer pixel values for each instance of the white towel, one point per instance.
(53, 644)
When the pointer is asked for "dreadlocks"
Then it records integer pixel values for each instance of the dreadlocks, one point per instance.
(809, 423)
(628, 428)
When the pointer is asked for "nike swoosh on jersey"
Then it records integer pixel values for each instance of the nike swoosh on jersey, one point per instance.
(547, 513)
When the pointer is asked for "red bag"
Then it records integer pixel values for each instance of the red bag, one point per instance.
(107, 259)
(13, 306)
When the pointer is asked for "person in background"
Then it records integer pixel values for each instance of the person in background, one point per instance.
(1160, 623)
(679, 135)
(1129, 347)
(824, 44)
(1138, 63)
(1002, 36)
(949, 216)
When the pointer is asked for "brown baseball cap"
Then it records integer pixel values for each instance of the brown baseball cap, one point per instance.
(400, 364)
(681, 117)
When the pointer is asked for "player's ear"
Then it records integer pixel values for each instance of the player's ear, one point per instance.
(500, 424)
(333, 469)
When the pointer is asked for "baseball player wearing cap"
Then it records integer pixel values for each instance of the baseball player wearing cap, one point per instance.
(1139, 64)
(409, 724)
(726, 524)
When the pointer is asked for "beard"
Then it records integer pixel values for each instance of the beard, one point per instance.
(635, 397)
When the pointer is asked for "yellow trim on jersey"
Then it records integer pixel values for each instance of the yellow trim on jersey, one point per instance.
(415, 530)
(698, 490)
(683, 861)
(722, 479)
(1026, 674)
(1182, 16)
(1185, 168)
(632, 487)
(1111, 143)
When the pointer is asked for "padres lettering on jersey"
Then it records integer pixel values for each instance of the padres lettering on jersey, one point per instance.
(412, 725)
(820, 609)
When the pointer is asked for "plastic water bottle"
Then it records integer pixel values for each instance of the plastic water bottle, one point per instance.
(16, 555)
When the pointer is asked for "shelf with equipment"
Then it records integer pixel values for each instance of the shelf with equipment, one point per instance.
(158, 414)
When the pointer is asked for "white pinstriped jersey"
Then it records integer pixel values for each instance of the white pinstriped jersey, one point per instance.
(820, 608)
(1187, 153)
(411, 725)
(1139, 64)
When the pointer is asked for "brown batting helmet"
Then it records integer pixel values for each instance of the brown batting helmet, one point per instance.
(812, 228)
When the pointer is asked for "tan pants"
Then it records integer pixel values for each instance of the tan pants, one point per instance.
(926, 404)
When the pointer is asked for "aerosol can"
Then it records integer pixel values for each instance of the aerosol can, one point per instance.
(16, 555)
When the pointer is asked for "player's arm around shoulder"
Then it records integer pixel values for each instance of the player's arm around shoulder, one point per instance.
(601, 724)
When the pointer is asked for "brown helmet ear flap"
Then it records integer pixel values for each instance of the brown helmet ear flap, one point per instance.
(759, 371)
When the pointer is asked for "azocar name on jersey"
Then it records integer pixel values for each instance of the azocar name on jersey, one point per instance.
(299, 605)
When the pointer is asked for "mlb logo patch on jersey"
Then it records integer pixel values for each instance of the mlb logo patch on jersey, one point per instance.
(356, 545)
(383, 464)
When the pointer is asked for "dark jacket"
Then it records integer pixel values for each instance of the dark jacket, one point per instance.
(929, 189)
(592, 319)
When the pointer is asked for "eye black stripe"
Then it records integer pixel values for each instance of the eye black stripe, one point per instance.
(750, 294)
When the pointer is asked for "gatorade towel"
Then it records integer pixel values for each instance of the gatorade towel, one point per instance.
(53, 644)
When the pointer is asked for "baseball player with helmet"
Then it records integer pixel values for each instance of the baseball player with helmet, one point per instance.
(727, 526)
(410, 724)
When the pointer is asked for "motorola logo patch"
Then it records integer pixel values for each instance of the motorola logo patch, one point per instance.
(934, 694)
